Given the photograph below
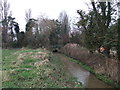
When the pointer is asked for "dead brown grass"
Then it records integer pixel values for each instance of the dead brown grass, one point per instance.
(36, 56)
(40, 63)
(100, 63)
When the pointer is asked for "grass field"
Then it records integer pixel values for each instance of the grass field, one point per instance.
(34, 68)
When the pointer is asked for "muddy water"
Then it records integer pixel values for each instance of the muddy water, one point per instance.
(88, 80)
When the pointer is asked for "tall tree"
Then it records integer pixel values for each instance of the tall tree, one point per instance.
(54, 35)
(118, 30)
(47, 28)
(30, 31)
(65, 27)
(97, 25)
(28, 15)
(4, 13)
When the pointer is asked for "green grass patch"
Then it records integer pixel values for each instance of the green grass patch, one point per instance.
(107, 80)
(29, 60)
(26, 66)
(9, 84)
(22, 73)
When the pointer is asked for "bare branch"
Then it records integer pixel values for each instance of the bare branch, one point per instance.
(28, 14)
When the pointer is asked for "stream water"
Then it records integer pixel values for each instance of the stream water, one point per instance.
(88, 80)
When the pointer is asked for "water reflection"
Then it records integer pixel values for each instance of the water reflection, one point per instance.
(85, 77)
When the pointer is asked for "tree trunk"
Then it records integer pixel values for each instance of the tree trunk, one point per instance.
(4, 34)
(118, 49)
(118, 43)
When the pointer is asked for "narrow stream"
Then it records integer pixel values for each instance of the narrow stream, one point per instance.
(88, 80)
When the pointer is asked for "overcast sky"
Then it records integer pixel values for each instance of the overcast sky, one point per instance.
(51, 8)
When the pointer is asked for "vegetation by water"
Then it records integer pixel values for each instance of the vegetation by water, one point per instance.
(99, 76)
(97, 29)
(34, 68)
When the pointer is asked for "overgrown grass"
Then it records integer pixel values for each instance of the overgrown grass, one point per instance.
(99, 76)
(20, 71)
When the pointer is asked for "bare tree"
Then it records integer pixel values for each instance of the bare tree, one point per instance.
(28, 14)
(65, 27)
(46, 26)
(4, 13)
(5, 9)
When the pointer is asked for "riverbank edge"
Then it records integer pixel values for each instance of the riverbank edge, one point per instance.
(99, 76)
(54, 65)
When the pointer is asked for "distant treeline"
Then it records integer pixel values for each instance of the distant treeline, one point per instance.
(99, 27)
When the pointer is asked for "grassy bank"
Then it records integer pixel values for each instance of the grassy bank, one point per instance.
(99, 76)
(34, 68)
